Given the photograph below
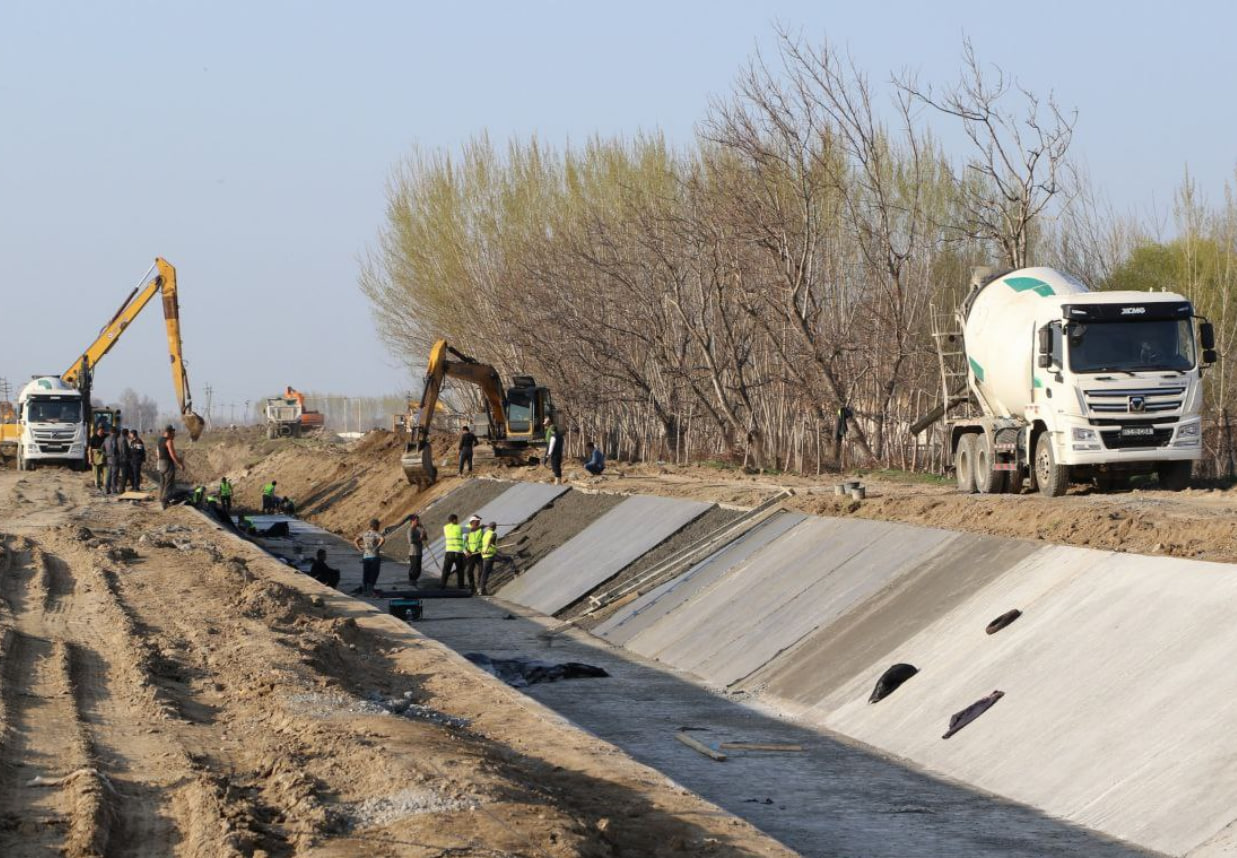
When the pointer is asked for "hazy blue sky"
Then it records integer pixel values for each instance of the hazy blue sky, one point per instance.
(249, 143)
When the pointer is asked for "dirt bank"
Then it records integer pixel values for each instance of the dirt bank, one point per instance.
(341, 488)
(168, 689)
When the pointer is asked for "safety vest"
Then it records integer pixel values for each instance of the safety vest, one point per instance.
(198, 494)
(454, 535)
(489, 544)
(474, 540)
(225, 489)
(269, 490)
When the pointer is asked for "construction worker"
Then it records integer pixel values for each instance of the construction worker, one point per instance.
(370, 545)
(225, 496)
(319, 571)
(122, 460)
(268, 497)
(467, 441)
(168, 462)
(199, 495)
(97, 460)
(111, 453)
(489, 550)
(453, 555)
(137, 458)
(594, 460)
(554, 449)
(417, 537)
(472, 551)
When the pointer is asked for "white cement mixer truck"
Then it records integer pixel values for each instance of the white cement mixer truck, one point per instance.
(1069, 385)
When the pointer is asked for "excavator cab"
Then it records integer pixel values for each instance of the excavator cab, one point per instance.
(528, 405)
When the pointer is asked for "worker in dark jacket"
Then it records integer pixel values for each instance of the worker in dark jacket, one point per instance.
(122, 460)
(111, 455)
(319, 571)
(594, 460)
(137, 458)
(97, 460)
(467, 442)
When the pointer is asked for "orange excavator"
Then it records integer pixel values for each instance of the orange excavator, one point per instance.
(513, 416)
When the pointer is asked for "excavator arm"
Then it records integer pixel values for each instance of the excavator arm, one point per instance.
(418, 461)
(164, 282)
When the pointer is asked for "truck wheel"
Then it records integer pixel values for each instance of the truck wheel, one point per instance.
(988, 480)
(1052, 479)
(964, 463)
(1174, 476)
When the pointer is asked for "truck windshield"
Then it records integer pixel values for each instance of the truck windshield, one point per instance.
(1127, 346)
(45, 410)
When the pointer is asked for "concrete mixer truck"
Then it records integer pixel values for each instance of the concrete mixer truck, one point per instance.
(1057, 384)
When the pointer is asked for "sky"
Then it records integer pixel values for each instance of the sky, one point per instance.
(249, 143)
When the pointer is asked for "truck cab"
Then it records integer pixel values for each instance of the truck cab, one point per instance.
(1118, 387)
(51, 424)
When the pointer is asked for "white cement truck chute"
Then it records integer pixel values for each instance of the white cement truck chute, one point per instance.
(1071, 385)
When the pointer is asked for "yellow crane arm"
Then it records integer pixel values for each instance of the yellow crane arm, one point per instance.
(467, 369)
(163, 282)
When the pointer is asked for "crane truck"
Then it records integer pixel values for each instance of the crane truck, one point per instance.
(1048, 383)
(513, 416)
(53, 411)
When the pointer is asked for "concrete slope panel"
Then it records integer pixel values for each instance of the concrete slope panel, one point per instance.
(655, 605)
(601, 551)
(688, 636)
(1119, 695)
(510, 509)
(797, 602)
(934, 586)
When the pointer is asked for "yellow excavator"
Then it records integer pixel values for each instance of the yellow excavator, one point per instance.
(514, 415)
(80, 374)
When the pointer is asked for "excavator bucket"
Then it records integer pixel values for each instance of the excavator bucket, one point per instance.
(418, 463)
(193, 424)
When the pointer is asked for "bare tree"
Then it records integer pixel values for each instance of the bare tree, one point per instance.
(1019, 161)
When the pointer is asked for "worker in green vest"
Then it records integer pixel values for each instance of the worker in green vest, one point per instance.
(225, 495)
(453, 556)
(199, 495)
(489, 550)
(472, 551)
(268, 497)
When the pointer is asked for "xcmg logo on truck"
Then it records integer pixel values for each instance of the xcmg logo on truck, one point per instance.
(1133, 311)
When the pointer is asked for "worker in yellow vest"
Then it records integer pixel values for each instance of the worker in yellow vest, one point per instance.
(489, 550)
(472, 551)
(269, 503)
(453, 556)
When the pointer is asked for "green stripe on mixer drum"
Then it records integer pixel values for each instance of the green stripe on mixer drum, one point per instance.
(976, 368)
(1029, 284)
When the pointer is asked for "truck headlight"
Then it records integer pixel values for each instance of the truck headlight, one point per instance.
(1084, 438)
(1188, 434)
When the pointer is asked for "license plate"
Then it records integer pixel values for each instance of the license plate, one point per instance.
(1136, 431)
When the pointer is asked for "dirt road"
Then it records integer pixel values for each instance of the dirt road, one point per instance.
(168, 690)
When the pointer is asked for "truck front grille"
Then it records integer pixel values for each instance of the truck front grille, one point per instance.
(1154, 400)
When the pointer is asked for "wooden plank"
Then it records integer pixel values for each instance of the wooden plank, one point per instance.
(757, 746)
(700, 747)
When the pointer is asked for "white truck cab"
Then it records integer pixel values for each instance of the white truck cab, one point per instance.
(52, 425)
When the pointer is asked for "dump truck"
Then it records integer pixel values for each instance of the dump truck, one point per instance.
(287, 416)
(54, 416)
(1047, 383)
(513, 416)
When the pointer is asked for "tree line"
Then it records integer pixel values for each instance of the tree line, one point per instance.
(729, 299)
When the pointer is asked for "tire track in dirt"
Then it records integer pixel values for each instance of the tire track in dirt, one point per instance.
(43, 738)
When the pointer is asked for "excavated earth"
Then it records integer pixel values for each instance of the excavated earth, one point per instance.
(170, 690)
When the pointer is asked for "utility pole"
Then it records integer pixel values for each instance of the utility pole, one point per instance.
(6, 390)
(210, 392)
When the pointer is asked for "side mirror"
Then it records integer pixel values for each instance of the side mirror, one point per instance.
(1207, 334)
(1044, 361)
(1210, 357)
(1045, 343)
